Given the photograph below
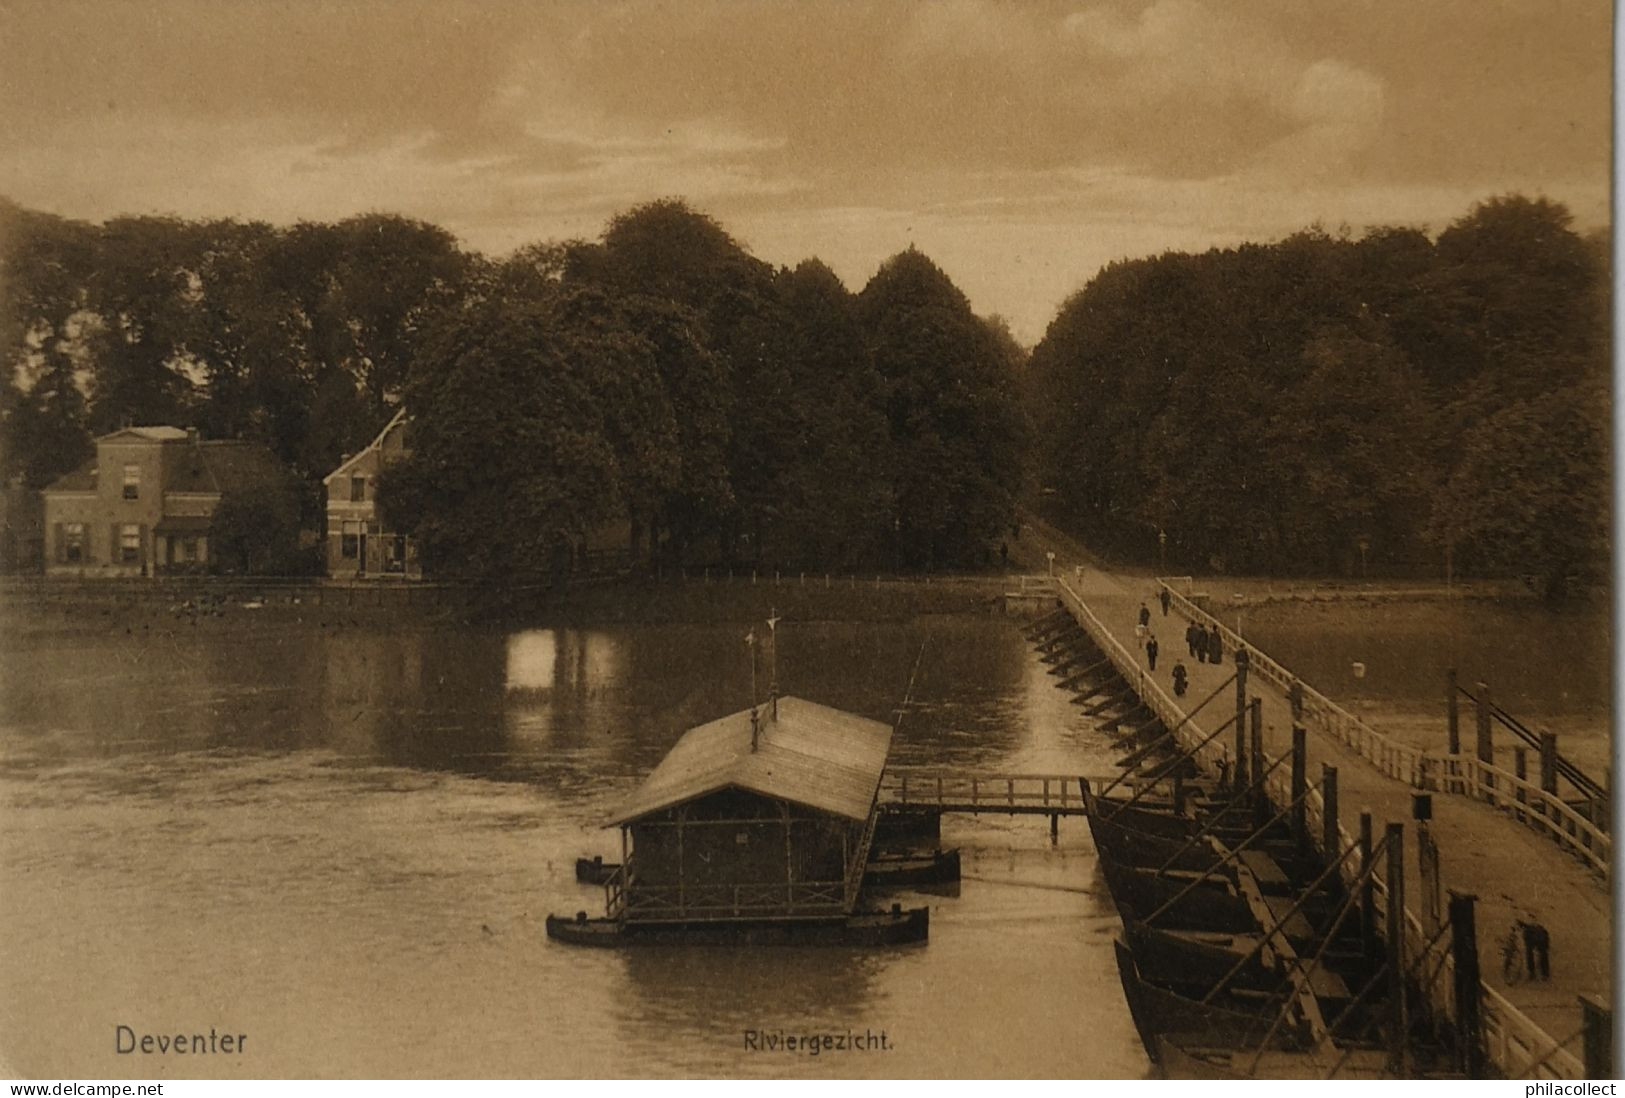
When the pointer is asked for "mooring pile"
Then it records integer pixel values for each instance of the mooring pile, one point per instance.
(1245, 951)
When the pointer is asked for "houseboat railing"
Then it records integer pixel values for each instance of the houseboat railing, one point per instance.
(615, 893)
(788, 900)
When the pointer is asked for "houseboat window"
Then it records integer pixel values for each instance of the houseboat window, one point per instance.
(132, 482)
(358, 489)
(129, 542)
(73, 542)
(189, 549)
(350, 539)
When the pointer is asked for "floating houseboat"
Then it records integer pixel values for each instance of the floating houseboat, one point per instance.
(756, 827)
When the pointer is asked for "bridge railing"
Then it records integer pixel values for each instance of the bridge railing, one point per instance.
(1432, 770)
(1516, 1045)
(924, 786)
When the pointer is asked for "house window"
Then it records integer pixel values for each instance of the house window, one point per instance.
(358, 489)
(350, 540)
(132, 482)
(189, 550)
(129, 543)
(73, 542)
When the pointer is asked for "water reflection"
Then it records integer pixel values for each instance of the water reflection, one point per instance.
(394, 810)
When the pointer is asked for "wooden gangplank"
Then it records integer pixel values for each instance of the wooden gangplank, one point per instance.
(1001, 794)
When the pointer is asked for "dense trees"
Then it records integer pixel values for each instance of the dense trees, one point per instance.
(1320, 403)
(732, 413)
(1323, 403)
(300, 337)
(660, 377)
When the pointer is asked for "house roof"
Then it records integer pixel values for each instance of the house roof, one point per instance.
(82, 479)
(150, 434)
(210, 467)
(378, 441)
(811, 754)
(218, 466)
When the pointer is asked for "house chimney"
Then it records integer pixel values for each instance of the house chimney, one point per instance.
(192, 435)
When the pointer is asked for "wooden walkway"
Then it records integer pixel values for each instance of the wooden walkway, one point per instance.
(923, 789)
(1514, 871)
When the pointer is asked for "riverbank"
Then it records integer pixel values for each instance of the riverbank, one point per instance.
(210, 602)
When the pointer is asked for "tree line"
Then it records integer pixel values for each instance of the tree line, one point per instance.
(660, 377)
(1331, 404)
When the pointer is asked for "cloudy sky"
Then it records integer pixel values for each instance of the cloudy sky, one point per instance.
(1022, 145)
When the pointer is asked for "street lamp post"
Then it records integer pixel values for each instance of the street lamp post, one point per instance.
(1162, 550)
(1050, 556)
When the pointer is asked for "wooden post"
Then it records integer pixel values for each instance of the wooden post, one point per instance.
(1520, 768)
(1330, 844)
(1300, 786)
(1399, 1017)
(1055, 821)
(1598, 1018)
(1468, 990)
(1548, 762)
(1241, 719)
(1368, 903)
(1486, 745)
(1452, 712)
(1261, 799)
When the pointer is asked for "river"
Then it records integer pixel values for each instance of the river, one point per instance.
(342, 842)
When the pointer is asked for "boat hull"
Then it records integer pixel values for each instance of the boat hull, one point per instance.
(940, 867)
(866, 928)
(1207, 906)
(1158, 1011)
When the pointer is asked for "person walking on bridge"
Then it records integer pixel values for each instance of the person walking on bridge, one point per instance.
(1151, 650)
(1190, 638)
(1163, 598)
(1215, 645)
(1202, 643)
(1145, 615)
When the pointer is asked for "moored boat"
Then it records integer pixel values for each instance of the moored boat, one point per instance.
(1178, 903)
(1197, 958)
(594, 870)
(1231, 1019)
(908, 869)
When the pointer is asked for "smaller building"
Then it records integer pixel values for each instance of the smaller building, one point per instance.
(765, 814)
(359, 544)
(144, 504)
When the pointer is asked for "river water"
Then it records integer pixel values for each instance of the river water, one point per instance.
(343, 842)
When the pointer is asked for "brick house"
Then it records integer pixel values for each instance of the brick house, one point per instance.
(358, 545)
(143, 505)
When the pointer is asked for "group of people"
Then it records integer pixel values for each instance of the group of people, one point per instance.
(1205, 645)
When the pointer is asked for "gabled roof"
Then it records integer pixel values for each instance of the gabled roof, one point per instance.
(811, 755)
(149, 434)
(378, 441)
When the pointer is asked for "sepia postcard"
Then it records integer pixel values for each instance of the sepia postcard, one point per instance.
(1044, 539)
